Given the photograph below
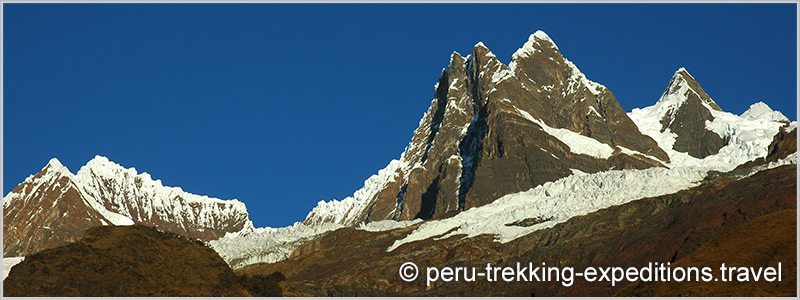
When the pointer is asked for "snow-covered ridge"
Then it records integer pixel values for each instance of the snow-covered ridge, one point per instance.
(347, 210)
(556, 202)
(124, 197)
(138, 196)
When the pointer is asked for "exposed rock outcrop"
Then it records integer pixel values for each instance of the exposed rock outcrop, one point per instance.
(123, 261)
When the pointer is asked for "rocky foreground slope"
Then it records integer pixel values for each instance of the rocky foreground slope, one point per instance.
(770, 240)
(125, 261)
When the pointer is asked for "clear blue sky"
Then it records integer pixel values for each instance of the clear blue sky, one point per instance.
(281, 106)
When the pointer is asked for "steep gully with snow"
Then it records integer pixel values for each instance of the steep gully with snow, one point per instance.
(507, 163)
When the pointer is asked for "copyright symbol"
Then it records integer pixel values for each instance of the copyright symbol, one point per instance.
(408, 271)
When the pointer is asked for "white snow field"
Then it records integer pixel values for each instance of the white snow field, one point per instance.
(9, 262)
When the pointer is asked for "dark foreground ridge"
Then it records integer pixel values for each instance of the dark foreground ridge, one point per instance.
(769, 239)
(133, 261)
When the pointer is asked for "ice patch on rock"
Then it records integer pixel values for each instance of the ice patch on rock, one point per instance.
(9, 262)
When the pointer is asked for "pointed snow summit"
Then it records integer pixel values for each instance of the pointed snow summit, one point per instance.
(55, 207)
(682, 113)
(690, 126)
(493, 129)
(683, 87)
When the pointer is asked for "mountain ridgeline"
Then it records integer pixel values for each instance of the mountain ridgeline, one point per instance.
(55, 207)
(493, 130)
(520, 162)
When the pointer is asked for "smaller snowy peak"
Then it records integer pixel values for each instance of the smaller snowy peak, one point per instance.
(55, 166)
(746, 136)
(680, 85)
(138, 197)
(761, 110)
(55, 163)
(536, 42)
(49, 175)
(101, 163)
(100, 166)
(677, 86)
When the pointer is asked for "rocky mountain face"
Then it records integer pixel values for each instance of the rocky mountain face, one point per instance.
(494, 129)
(55, 207)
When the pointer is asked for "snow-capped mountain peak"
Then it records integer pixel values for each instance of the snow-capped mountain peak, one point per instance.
(761, 110)
(542, 36)
(475, 93)
(690, 126)
(55, 165)
(680, 85)
(536, 42)
(102, 193)
(53, 170)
